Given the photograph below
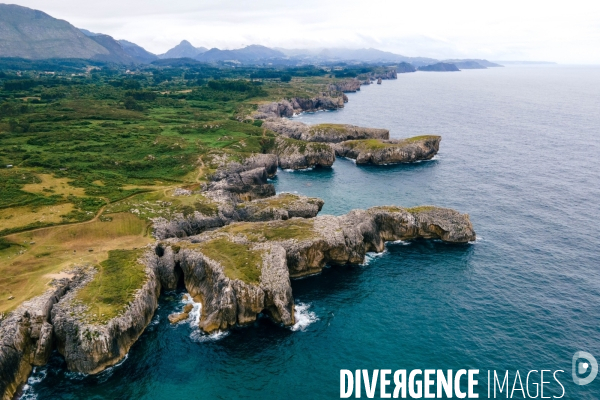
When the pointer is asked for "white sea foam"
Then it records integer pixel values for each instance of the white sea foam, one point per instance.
(401, 242)
(304, 317)
(370, 256)
(194, 315)
(37, 375)
(299, 170)
(28, 393)
(194, 321)
(198, 336)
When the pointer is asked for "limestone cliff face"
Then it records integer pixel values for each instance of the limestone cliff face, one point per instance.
(248, 179)
(389, 151)
(26, 338)
(390, 74)
(92, 347)
(326, 133)
(346, 239)
(289, 248)
(228, 301)
(297, 154)
(287, 108)
(280, 207)
(346, 86)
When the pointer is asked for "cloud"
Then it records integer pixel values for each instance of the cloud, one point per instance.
(440, 29)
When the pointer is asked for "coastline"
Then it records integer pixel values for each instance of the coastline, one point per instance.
(251, 179)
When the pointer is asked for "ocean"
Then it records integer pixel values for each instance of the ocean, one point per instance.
(519, 153)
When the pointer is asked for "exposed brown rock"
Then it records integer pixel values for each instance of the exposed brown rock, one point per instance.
(175, 318)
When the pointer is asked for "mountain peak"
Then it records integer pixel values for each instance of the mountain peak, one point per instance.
(183, 50)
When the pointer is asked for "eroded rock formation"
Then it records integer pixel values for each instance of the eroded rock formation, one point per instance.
(381, 152)
(253, 275)
(347, 85)
(91, 347)
(298, 154)
(26, 337)
(287, 108)
(327, 133)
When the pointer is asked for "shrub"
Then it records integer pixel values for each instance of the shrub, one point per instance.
(131, 104)
(21, 84)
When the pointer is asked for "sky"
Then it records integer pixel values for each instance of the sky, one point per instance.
(560, 31)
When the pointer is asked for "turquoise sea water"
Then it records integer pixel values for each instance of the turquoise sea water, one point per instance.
(520, 154)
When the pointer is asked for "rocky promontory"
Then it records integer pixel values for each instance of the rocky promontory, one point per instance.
(347, 85)
(229, 209)
(90, 346)
(297, 105)
(299, 154)
(26, 337)
(326, 133)
(244, 269)
(439, 67)
(382, 152)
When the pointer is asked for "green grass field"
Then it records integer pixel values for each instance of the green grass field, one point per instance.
(89, 155)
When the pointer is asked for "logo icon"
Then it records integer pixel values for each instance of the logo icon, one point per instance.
(582, 363)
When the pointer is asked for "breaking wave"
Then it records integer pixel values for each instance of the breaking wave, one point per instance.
(304, 317)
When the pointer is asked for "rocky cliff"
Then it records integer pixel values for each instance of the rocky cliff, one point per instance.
(26, 337)
(298, 154)
(239, 191)
(287, 108)
(244, 269)
(282, 206)
(91, 347)
(389, 151)
(347, 85)
(329, 133)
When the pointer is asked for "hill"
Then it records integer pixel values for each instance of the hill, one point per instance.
(247, 54)
(439, 67)
(137, 52)
(116, 51)
(362, 55)
(183, 50)
(33, 34)
(472, 63)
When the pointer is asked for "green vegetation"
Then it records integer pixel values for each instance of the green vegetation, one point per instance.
(377, 144)
(415, 139)
(341, 128)
(238, 260)
(420, 209)
(301, 146)
(97, 150)
(368, 144)
(113, 286)
(298, 229)
(34, 258)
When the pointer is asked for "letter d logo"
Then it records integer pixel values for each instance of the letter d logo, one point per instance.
(583, 367)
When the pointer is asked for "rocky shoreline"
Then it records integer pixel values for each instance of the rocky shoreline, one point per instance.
(237, 259)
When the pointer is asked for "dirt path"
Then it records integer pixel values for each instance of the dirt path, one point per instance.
(201, 169)
(98, 214)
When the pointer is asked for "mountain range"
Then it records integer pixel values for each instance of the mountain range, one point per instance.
(33, 34)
